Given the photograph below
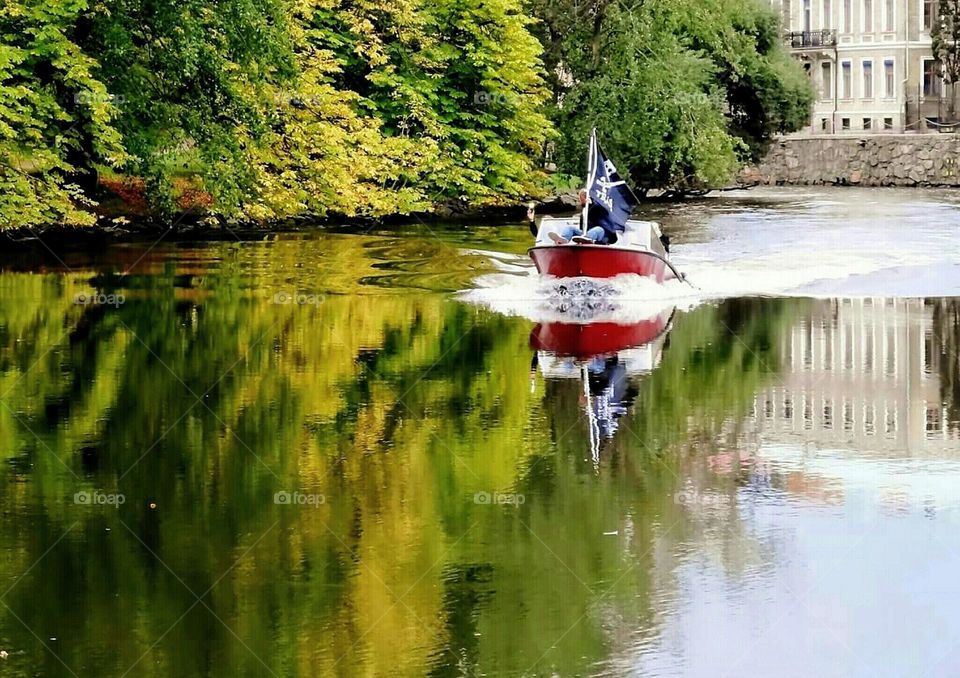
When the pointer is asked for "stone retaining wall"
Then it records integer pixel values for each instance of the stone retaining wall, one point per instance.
(875, 160)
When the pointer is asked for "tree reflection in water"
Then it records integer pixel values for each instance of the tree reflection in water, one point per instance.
(200, 398)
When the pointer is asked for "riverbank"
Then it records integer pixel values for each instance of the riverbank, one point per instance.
(118, 225)
(905, 160)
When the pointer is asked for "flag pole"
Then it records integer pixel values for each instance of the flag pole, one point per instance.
(591, 175)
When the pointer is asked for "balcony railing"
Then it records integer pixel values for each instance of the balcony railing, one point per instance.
(811, 39)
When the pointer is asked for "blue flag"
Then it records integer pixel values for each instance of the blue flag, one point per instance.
(606, 189)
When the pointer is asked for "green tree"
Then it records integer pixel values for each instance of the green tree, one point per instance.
(328, 151)
(681, 91)
(945, 34)
(462, 77)
(56, 116)
(194, 77)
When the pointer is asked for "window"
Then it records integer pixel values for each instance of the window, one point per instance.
(868, 16)
(807, 16)
(848, 16)
(867, 124)
(869, 420)
(827, 348)
(930, 11)
(827, 14)
(889, 83)
(867, 92)
(934, 420)
(848, 422)
(928, 349)
(890, 419)
(845, 124)
(826, 80)
(846, 80)
(888, 15)
(846, 341)
(825, 124)
(890, 352)
(931, 78)
(888, 123)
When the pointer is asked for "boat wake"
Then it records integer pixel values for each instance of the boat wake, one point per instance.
(773, 243)
(624, 299)
(807, 243)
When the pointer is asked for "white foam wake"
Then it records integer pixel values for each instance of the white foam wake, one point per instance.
(826, 243)
(624, 299)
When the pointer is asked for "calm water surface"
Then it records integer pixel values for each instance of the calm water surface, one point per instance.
(312, 455)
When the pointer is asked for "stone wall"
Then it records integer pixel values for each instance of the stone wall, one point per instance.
(873, 160)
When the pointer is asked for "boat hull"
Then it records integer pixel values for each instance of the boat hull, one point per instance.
(584, 341)
(598, 261)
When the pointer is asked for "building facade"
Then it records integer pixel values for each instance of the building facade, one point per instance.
(863, 372)
(871, 61)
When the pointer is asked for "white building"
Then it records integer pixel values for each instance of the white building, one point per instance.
(871, 61)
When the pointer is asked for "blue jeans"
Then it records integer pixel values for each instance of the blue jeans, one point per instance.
(596, 233)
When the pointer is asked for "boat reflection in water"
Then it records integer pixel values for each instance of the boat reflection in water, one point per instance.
(607, 357)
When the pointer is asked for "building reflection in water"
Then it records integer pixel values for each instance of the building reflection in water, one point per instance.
(861, 373)
(859, 406)
(839, 541)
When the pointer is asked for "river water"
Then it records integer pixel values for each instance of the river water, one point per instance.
(344, 454)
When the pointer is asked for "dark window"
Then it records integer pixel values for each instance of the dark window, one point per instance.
(932, 78)
(844, 123)
(867, 123)
(930, 11)
(888, 123)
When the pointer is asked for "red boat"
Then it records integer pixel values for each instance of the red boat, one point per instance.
(583, 341)
(638, 251)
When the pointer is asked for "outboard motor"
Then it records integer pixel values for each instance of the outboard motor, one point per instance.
(665, 241)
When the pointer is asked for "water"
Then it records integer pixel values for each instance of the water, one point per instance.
(368, 454)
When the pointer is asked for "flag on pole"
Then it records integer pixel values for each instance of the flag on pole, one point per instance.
(606, 188)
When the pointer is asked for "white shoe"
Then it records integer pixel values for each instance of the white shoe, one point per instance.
(557, 238)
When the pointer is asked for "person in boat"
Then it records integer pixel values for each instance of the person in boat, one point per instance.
(601, 230)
